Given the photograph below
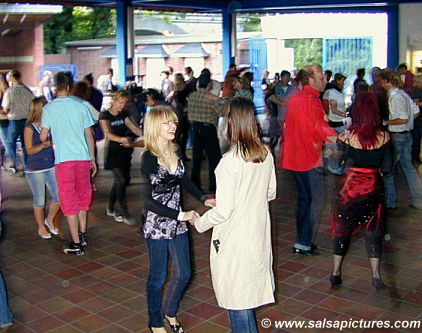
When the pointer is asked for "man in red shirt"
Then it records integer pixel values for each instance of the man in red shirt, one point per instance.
(306, 131)
(407, 78)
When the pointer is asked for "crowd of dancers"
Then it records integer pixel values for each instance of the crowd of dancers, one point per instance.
(308, 126)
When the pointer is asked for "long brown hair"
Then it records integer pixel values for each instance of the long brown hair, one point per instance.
(82, 90)
(242, 131)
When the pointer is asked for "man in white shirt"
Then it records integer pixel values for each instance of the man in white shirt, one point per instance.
(337, 106)
(400, 124)
(336, 119)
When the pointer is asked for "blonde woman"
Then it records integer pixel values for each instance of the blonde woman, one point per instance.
(40, 170)
(241, 254)
(165, 228)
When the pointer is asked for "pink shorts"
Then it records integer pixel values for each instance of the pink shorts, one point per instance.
(74, 182)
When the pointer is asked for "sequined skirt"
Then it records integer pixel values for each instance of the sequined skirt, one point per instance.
(360, 204)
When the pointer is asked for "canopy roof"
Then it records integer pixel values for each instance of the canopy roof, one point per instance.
(216, 5)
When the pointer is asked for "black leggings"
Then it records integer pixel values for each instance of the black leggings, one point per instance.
(118, 191)
(373, 245)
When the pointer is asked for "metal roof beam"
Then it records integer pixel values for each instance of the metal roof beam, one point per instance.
(270, 5)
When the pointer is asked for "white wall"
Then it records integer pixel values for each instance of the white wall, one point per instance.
(278, 57)
(410, 33)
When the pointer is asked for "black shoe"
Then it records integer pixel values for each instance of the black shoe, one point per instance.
(314, 247)
(83, 238)
(304, 252)
(378, 284)
(335, 280)
(74, 248)
(178, 328)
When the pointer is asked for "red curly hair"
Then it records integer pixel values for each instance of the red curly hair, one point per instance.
(366, 119)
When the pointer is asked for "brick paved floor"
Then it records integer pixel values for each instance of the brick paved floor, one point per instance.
(104, 291)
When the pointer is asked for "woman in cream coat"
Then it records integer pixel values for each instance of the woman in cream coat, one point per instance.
(241, 255)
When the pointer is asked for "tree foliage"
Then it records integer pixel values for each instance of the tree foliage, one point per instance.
(77, 23)
(251, 22)
(308, 51)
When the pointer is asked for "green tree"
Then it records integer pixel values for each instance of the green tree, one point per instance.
(252, 22)
(308, 51)
(77, 23)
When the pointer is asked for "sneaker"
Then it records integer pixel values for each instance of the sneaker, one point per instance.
(117, 217)
(129, 221)
(83, 238)
(74, 248)
(305, 252)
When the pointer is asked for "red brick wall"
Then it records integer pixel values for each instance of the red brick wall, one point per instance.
(89, 61)
(56, 59)
(28, 43)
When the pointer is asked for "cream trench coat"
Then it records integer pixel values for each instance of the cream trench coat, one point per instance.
(241, 255)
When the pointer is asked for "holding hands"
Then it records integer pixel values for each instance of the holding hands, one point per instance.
(210, 202)
(187, 216)
(124, 140)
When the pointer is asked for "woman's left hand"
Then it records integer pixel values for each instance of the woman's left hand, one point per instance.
(210, 203)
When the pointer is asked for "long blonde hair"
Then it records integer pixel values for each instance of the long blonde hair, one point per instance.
(152, 128)
(35, 109)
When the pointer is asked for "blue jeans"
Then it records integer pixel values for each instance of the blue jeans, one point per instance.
(159, 250)
(5, 313)
(38, 181)
(3, 139)
(402, 143)
(310, 186)
(334, 164)
(15, 131)
(242, 321)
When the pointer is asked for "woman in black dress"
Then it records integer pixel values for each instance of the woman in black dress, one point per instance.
(115, 124)
(361, 199)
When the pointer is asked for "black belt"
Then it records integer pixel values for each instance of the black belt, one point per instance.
(408, 131)
(335, 124)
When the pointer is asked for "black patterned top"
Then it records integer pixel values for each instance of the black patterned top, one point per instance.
(163, 198)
